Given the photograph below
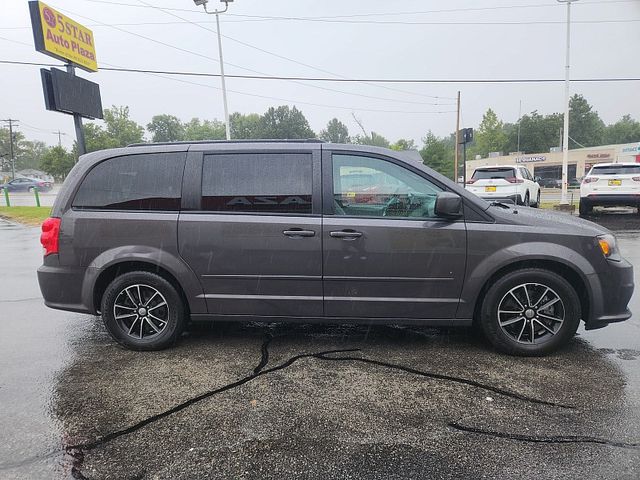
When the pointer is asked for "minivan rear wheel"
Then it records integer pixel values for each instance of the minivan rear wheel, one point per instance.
(530, 312)
(143, 311)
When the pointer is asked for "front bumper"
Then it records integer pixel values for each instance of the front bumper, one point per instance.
(611, 291)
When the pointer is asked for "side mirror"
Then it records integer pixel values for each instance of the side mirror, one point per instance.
(537, 179)
(448, 205)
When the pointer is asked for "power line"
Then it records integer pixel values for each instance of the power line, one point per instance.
(277, 55)
(347, 80)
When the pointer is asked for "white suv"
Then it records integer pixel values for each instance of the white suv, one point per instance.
(505, 182)
(613, 184)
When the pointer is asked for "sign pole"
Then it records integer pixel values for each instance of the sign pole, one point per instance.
(457, 141)
(77, 121)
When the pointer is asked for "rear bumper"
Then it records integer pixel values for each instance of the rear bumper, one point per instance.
(62, 288)
(603, 199)
(611, 292)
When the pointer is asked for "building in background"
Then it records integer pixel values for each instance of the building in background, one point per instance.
(549, 164)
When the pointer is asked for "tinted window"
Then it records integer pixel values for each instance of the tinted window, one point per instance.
(499, 172)
(134, 182)
(257, 182)
(372, 187)
(616, 170)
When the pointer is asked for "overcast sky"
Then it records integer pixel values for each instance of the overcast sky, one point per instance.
(519, 39)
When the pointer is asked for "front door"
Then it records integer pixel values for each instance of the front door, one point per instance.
(385, 252)
(255, 242)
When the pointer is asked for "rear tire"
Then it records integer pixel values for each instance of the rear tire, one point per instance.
(584, 208)
(143, 311)
(521, 294)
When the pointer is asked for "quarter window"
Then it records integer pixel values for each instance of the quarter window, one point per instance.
(372, 187)
(134, 182)
(258, 182)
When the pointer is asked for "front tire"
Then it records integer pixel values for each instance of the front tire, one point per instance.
(530, 312)
(537, 204)
(527, 201)
(143, 311)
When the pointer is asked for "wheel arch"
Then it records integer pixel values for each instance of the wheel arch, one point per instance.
(569, 273)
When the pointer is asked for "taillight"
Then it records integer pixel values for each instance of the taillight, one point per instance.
(514, 180)
(471, 181)
(41, 184)
(589, 180)
(50, 235)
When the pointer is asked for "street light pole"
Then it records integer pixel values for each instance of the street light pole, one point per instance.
(565, 133)
(224, 85)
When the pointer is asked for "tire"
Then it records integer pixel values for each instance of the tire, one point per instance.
(584, 208)
(141, 329)
(30, 189)
(537, 204)
(514, 337)
(527, 201)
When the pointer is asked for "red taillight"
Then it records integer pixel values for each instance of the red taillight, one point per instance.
(514, 180)
(589, 180)
(50, 234)
(41, 184)
(471, 181)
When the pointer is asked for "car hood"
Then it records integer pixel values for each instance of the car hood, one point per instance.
(546, 219)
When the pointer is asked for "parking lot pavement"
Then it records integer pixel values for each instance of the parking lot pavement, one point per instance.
(307, 401)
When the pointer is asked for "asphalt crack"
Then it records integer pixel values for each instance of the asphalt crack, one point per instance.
(544, 439)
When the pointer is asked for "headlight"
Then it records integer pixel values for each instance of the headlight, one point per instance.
(608, 247)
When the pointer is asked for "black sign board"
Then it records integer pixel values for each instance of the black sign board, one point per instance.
(67, 93)
(465, 135)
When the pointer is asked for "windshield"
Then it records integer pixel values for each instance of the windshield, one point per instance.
(616, 170)
(498, 172)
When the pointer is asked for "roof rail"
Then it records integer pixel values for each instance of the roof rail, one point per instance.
(200, 142)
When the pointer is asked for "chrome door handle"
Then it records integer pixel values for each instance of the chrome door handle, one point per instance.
(298, 233)
(346, 234)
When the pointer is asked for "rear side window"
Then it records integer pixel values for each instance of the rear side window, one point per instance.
(616, 170)
(488, 173)
(257, 182)
(134, 182)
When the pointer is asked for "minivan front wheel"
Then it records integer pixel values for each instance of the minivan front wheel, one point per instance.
(143, 311)
(530, 312)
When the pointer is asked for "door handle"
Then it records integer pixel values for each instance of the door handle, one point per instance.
(298, 232)
(346, 234)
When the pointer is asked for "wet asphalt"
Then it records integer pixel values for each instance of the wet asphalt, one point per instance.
(307, 401)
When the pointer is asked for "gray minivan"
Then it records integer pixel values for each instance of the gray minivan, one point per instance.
(153, 236)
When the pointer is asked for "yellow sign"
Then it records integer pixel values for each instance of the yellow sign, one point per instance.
(58, 36)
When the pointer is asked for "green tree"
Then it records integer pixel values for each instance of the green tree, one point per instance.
(625, 130)
(538, 133)
(57, 162)
(31, 154)
(438, 153)
(285, 122)
(585, 125)
(166, 128)
(374, 139)
(196, 129)
(118, 131)
(336, 132)
(403, 144)
(490, 136)
(244, 126)
(19, 146)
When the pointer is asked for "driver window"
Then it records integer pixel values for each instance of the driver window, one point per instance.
(371, 187)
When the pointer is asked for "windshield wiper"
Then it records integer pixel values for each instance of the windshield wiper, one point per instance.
(500, 204)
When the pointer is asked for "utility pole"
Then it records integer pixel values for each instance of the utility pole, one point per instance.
(565, 139)
(224, 85)
(519, 118)
(59, 133)
(11, 122)
(455, 155)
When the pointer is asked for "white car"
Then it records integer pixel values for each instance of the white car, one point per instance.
(505, 182)
(610, 184)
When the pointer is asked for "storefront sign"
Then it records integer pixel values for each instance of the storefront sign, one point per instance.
(598, 155)
(534, 158)
(630, 150)
(60, 37)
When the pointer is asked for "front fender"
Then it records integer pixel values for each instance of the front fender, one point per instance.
(481, 267)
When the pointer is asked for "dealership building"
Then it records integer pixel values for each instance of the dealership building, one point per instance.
(549, 165)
